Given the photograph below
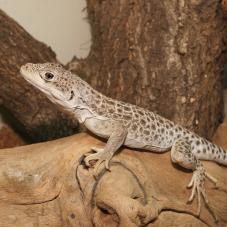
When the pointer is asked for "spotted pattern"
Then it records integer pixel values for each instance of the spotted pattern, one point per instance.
(156, 131)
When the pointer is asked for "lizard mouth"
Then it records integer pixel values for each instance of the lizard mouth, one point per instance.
(25, 74)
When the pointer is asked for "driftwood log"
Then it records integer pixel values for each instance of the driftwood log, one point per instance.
(46, 184)
(166, 56)
(30, 110)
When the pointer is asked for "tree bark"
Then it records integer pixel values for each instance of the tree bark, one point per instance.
(166, 56)
(30, 109)
(46, 184)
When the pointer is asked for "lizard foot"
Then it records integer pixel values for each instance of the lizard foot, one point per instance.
(197, 185)
(101, 155)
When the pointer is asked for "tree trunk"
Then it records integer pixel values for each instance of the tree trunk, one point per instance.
(166, 56)
(29, 107)
(46, 184)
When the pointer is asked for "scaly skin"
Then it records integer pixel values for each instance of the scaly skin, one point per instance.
(124, 124)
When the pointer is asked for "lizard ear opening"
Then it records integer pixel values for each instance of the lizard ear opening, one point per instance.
(71, 96)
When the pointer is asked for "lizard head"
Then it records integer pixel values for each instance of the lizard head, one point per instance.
(53, 80)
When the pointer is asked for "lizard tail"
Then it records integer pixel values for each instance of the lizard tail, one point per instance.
(218, 154)
(206, 150)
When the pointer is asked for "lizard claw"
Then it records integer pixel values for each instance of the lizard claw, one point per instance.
(107, 164)
(101, 155)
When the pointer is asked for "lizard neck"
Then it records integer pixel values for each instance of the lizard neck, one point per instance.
(86, 101)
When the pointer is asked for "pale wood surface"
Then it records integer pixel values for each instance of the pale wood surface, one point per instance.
(44, 185)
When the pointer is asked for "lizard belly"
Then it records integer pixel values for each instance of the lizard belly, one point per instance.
(133, 143)
(136, 143)
(141, 141)
(99, 127)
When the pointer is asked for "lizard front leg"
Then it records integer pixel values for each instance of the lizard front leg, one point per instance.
(181, 154)
(114, 142)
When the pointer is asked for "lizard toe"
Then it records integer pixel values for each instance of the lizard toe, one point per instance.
(197, 184)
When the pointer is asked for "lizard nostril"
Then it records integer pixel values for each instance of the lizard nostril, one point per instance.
(28, 65)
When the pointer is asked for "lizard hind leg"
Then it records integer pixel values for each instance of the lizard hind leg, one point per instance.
(181, 153)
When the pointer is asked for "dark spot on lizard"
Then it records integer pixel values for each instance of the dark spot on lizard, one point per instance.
(180, 128)
(136, 115)
(197, 142)
(93, 92)
(141, 112)
(143, 122)
(171, 123)
(127, 117)
(161, 121)
(111, 110)
(101, 112)
(204, 150)
(97, 101)
(146, 132)
(119, 110)
(126, 108)
(93, 106)
(116, 116)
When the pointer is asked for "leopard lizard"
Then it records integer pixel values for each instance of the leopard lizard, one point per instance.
(125, 124)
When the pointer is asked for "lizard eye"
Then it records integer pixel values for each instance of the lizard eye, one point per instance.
(49, 76)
